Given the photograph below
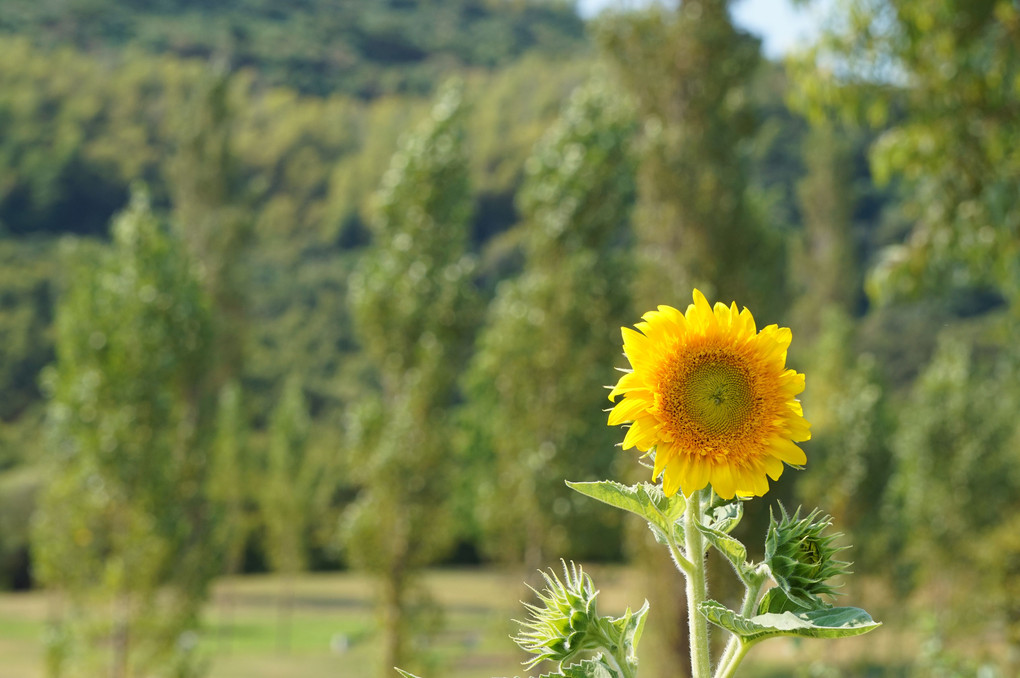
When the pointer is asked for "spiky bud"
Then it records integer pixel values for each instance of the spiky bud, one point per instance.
(802, 557)
(565, 621)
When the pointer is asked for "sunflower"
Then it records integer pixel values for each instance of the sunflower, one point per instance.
(712, 398)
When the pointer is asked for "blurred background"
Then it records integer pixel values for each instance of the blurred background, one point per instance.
(306, 311)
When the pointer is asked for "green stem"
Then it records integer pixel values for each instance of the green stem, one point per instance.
(696, 587)
(620, 665)
(734, 645)
(727, 669)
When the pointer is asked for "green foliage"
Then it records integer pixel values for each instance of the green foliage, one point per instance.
(955, 464)
(27, 272)
(122, 527)
(534, 397)
(361, 47)
(952, 139)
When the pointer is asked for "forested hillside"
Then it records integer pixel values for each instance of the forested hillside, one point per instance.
(365, 48)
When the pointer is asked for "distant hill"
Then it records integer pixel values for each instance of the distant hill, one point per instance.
(366, 48)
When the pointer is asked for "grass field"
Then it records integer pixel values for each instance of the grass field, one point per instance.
(333, 630)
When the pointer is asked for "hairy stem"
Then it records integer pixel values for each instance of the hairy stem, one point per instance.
(734, 645)
(696, 586)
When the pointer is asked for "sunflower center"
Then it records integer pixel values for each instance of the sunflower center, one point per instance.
(713, 398)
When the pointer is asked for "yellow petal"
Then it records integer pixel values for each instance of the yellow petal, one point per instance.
(722, 481)
(788, 452)
(628, 409)
(631, 381)
(748, 322)
(773, 467)
(662, 457)
(698, 471)
(642, 434)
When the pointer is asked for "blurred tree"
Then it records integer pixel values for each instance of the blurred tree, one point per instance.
(956, 475)
(123, 528)
(228, 475)
(414, 308)
(955, 459)
(286, 497)
(535, 390)
(853, 418)
(210, 212)
(691, 71)
(942, 75)
(826, 267)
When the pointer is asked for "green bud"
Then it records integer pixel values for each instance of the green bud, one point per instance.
(802, 558)
(565, 620)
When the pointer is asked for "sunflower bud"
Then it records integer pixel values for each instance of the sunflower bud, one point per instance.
(565, 621)
(802, 558)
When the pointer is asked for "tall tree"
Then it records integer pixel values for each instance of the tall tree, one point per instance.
(414, 308)
(288, 492)
(123, 528)
(535, 388)
(210, 212)
(691, 70)
(227, 480)
(826, 265)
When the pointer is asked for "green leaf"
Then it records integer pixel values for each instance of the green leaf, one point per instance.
(596, 667)
(834, 622)
(776, 601)
(643, 499)
(731, 548)
(627, 631)
(726, 517)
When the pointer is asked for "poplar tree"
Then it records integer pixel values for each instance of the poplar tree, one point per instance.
(227, 479)
(413, 304)
(123, 529)
(287, 496)
(691, 71)
(536, 385)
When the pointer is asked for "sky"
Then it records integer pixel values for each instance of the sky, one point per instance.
(781, 26)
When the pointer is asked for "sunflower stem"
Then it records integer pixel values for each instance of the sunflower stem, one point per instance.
(697, 589)
(735, 651)
(729, 667)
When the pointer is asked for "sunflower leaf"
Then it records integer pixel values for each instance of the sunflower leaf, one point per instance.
(627, 634)
(596, 667)
(776, 601)
(727, 516)
(643, 499)
(731, 548)
(834, 622)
